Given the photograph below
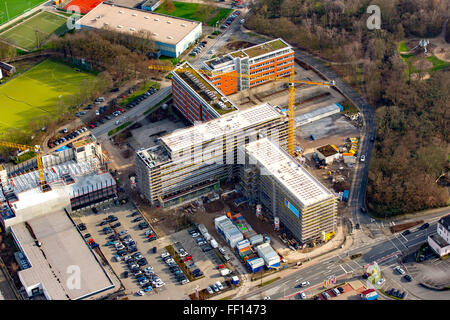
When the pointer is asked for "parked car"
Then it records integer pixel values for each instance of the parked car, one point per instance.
(406, 232)
(215, 288)
(408, 277)
(424, 226)
(137, 219)
(210, 290)
(399, 270)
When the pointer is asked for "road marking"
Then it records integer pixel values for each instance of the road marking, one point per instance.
(349, 266)
(404, 237)
(343, 268)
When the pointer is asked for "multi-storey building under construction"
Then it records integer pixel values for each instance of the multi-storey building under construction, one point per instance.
(192, 162)
(250, 67)
(274, 179)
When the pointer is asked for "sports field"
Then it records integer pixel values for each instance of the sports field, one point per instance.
(24, 34)
(10, 9)
(35, 93)
(193, 11)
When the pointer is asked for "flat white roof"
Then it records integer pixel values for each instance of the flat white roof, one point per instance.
(162, 28)
(61, 247)
(228, 123)
(277, 163)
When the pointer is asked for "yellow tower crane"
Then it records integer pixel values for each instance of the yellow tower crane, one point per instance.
(291, 101)
(37, 150)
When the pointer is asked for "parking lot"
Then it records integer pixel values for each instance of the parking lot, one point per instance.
(170, 287)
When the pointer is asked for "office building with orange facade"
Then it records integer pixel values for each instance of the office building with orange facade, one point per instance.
(195, 96)
(247, 68)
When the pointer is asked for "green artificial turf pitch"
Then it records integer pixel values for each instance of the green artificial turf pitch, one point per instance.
(10, 9)
(35, 93)
(24, 34)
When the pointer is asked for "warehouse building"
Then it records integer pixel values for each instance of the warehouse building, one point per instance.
(171, 35)
(191, 162)
(56, 253)
(76, 179)
(287, 191)
(195, 97)
(317, 114)
(250, 67)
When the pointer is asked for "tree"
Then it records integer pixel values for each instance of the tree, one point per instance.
(169, 6)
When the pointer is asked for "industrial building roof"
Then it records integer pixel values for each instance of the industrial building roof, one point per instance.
(162, 28)
(62, 248)
(283, 168)
(204, 88)
(224, 125)
(265, 250)
(310, 116)
(70, 178)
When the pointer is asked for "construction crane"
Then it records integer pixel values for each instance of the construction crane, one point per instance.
(37, 150)
(291, 97)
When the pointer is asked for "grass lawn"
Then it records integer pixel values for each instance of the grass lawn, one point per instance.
(24, 36)
(437, 64)
(402, 47)
(140, 91)
(193, 11)
(122, 126)
(10, 9)
(222, 15)
(35, 93)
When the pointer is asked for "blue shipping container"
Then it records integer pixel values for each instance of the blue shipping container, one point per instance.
(345, 195)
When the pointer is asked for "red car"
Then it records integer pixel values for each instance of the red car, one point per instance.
(151, 235)
(188, 258)
(221, 266)
(121, 110)
(92, 126)
(90, 241)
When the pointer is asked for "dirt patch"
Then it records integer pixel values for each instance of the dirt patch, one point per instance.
(214, 206)
(423, 64)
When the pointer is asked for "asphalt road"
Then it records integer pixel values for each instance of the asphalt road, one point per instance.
(132, 114)
(385, 252)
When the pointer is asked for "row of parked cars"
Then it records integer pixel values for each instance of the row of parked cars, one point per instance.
(68, 136)
(173, 267)
(201, 242)
(199, 48)
(230, 20)
(115, 111)
(215, 287)
(396, 293)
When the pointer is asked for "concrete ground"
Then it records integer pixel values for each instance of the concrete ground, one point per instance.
(144, 136)
(334, 129)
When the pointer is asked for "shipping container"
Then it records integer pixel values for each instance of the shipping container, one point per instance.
(256, 239)
(345, 195)
(242, 244)
(235, 280)
(266, 252)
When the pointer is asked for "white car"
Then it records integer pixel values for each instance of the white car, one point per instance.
(195, 235)
(210, 291)
(363, 158)
(267, 298)
(381, 281)
(165, 254)
(149, 268)
(141, 283)
(304, 284)
(222, 251)
(302, 295)
(168, 261)
(399, 270)
(140, 293)
(219, 285)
